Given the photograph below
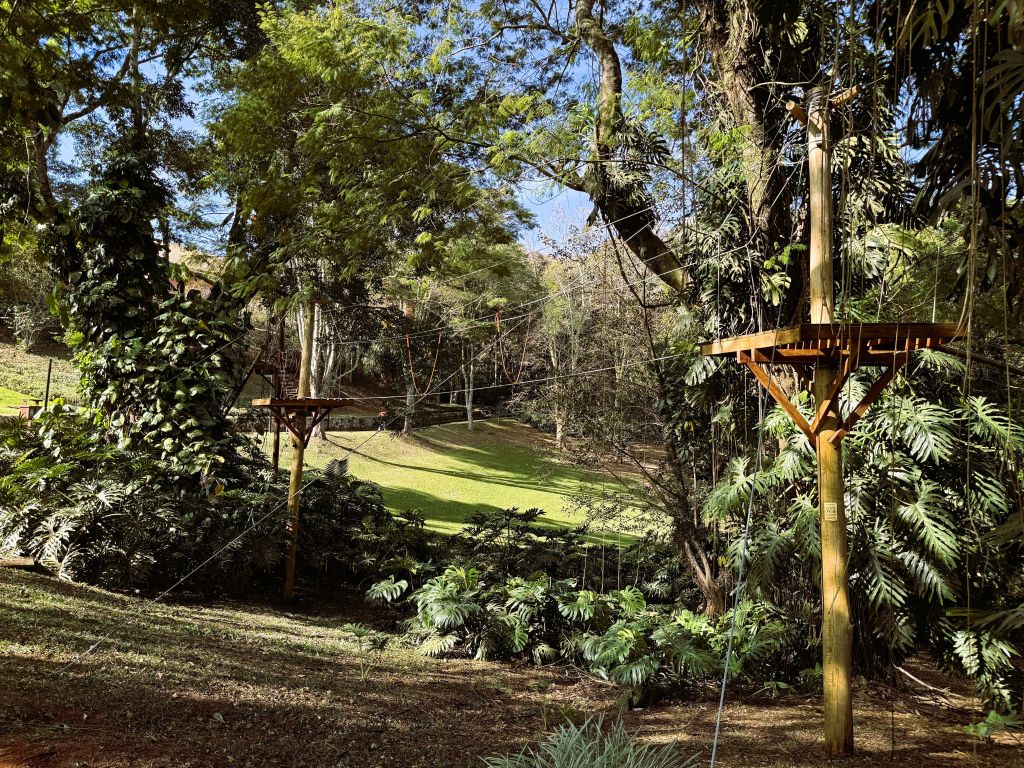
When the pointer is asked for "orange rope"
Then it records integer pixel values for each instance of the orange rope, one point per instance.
(433, 370)
(437, 354)
(522, 359)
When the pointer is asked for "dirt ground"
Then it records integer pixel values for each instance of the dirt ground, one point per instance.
(234, 684)
(900, 728)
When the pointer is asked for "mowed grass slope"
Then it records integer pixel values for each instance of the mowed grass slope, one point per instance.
(23, 375)
(10, 401)
(449, 472)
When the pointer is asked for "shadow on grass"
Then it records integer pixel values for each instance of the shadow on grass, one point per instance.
(506, 465)
(453, 515)
(235, 685)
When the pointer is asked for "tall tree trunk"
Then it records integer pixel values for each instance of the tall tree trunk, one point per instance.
(559, 414)
(321, 362)
(736, 42)
(467, 374)
(626, 209)
(408, 307)
(559, 417)
(467, 378)
(738, 58)
(410, 406)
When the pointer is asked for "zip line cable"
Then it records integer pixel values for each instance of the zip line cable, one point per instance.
(741, 573)
(541, 380)
(744, 542)
(741, 570)
(489, 317)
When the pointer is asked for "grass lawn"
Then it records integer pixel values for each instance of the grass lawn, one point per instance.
(25, 372)
(448, 472)
(9, 401)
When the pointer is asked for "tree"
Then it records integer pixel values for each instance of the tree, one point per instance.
(109, 77)
(331, 159)
(485, 296)
(681, 138)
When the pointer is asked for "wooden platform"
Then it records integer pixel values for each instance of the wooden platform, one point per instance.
(844, 347)
(312, 410)
(809, 342)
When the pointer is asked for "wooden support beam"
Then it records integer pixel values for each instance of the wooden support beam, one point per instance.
(836, 622)
(788, 356)
(292, 413)
(778, 395)
(796, 112)
(761, 340)
(869, 398)
(838, 337)
(298, 454)
(844, 98)
(830, 403)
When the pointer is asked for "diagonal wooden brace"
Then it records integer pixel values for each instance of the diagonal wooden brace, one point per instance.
(284, 417)
(832, 401)
(318, 415)
(869, 398)
(777, 394)
(281, 417)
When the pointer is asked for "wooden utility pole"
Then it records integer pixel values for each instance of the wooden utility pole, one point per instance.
(298, 454)
(834, 351)
(277, 385)
(836, 629)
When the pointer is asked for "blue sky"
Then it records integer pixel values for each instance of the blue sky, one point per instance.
(555, 210)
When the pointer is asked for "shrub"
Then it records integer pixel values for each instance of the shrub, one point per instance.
(347, 534)
(591, 746)
(617, 636)
(123, 517)
(509, 542)
(28, 321)
(91, 511)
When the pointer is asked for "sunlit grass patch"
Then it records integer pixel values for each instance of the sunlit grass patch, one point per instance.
(449, 472)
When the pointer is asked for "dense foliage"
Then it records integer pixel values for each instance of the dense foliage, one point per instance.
(369, 161)
(122, 517)
(616, 635)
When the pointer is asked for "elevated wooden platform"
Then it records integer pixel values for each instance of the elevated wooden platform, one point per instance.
(312, 410)
(844, 347)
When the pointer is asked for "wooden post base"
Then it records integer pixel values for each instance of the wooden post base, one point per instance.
(836, 626)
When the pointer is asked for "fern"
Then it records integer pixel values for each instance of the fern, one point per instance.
(592, 746)
(387, 590)
(438, 645)
(926, 516)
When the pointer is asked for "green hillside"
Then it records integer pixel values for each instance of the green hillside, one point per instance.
(448, 472)
(23, 374)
